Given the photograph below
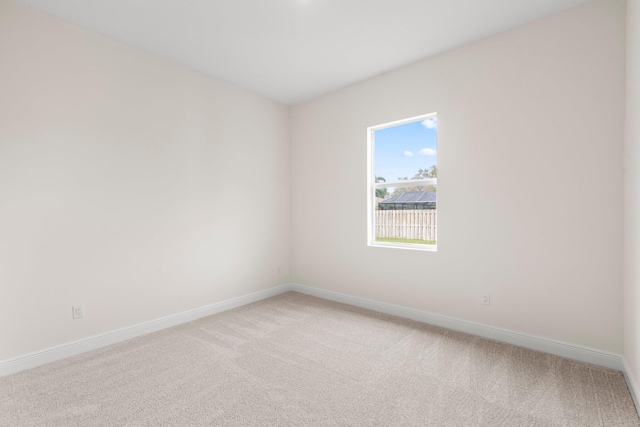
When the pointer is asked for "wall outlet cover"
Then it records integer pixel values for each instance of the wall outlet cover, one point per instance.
(77, 311)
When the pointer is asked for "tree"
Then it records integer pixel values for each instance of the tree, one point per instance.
(381, 193)
(431, 172)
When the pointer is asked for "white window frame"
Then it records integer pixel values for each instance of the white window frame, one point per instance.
(372, 186)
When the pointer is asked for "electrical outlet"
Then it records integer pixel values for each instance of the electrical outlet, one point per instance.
(77, 311)
(486, 299)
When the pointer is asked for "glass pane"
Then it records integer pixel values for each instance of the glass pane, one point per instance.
(407, 151)
(406, 215)
(404, 152)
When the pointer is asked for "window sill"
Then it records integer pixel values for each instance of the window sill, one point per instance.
(410, 246)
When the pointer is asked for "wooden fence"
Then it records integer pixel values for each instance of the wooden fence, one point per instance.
(410, 224)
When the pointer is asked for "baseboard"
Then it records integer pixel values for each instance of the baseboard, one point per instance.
(631, 384)
(570, 351)
(71, 349)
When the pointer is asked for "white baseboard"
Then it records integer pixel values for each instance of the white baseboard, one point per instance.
(631, 384)
(570, 351)
(71, 349)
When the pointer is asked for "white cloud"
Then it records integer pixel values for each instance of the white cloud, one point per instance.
(407, 153)
(430, 123)
(427, 152)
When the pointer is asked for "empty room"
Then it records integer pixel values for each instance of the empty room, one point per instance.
(319, 212)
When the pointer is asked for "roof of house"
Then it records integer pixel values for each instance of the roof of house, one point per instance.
(412, 197)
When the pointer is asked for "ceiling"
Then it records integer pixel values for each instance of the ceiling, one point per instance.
(294, 50)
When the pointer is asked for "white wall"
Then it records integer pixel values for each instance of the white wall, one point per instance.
(125, 180)
(529, 188)
(128, 184)
(632, 196)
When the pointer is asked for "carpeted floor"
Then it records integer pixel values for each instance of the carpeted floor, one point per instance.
(295, 360)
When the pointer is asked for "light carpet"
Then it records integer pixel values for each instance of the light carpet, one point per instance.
(296, 360)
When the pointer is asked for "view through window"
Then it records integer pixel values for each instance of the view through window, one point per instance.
(403, 182)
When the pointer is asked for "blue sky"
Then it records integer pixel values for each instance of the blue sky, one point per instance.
(401, 150)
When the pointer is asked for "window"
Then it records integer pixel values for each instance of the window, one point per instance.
(402, 183)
